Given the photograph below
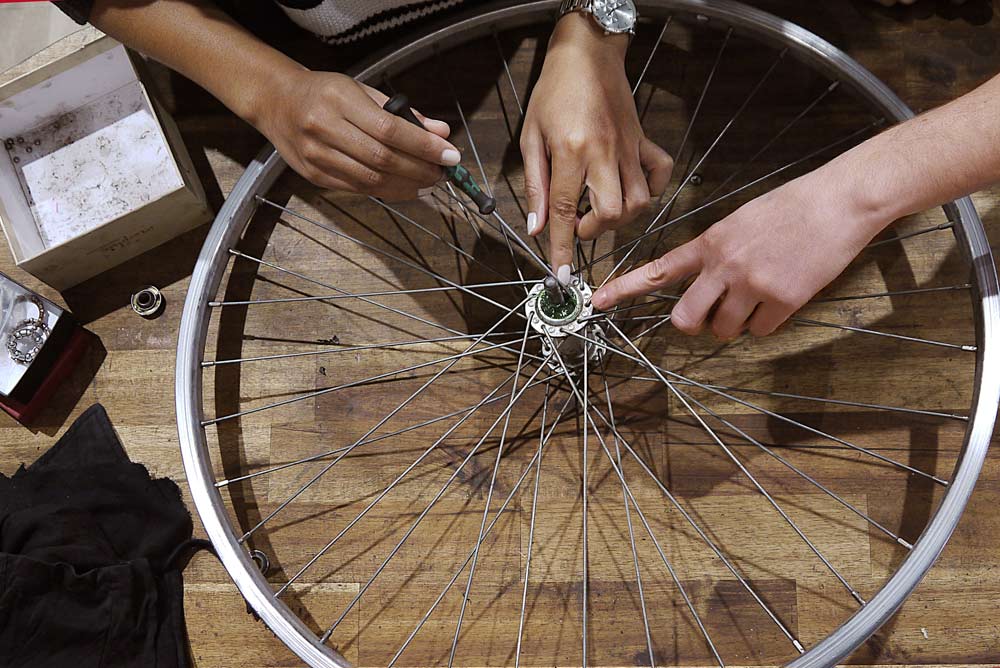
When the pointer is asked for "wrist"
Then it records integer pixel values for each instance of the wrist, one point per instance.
(578, 30)
(264, 87)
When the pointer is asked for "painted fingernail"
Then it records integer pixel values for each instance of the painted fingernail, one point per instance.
(450, 157)
(563, 274)
(532, 223)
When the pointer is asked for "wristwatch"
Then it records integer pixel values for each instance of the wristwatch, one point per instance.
(613, 16)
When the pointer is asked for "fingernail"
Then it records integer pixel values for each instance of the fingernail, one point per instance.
(532, 223)
(424, 192)
(450, 157)
(598, 300)
(563, 274)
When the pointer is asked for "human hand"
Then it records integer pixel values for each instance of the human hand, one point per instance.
(761, 263)
(581, 129)
(333, 131)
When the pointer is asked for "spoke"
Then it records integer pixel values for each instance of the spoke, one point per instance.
(849, 328)
(701, 160)
(894, 293)
(372, 430)
(806, 397)
(673, 221)
(666, 562)
(683, 397)
(326, 390)
(350, 349)
(704, 92)
(437, 236)
(383, 293)
(701, 533)
(374, 439)
(489, 499)
(803, 475)
(304, 277)
(374, 249)
(399, 478)
(788, 126)
(628, 521)
(506, 69)
(535, 461)
(472, 221)
(426, 510)
(531, 527)
(778, 416)
(586, 494)
(910, 235)
(875, 332)
(652, 53)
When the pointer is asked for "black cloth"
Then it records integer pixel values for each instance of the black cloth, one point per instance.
(89, 575)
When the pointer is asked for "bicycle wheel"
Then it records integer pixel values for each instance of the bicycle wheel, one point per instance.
(442, 468)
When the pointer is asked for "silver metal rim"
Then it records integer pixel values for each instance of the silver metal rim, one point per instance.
(267, 166)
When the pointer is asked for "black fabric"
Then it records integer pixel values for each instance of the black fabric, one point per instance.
(89, 563)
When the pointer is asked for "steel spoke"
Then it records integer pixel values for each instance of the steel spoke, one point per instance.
(531, 527)
(910, 235)
(381, 293)
(489, 499)
(701, 160)
(666, 562)
(426, 510)
(469, 256)
(373, 439)
(534, 461)
(348, 349)
(375, 249)
(701, 533)
(893, 293)
(652, 53)
(628, 522)
(784, 418)
(377, 425)
(401, 476)
(673, 221)
(875, 332)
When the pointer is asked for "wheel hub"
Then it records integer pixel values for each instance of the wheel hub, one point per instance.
(563, 325)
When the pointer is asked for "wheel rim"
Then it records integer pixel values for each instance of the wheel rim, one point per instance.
(261, 175)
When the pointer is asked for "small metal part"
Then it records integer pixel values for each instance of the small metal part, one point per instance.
(263, 563)
(26, 339)
(148, 302)
(554, 290)
(28, 150)
(20, 140)
(696, 179)
(38, 142)
(8, 143)
(399, 105)
(16, 160)
(558, 322)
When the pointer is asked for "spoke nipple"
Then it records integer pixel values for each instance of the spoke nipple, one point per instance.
(798, 646)
(904, 543)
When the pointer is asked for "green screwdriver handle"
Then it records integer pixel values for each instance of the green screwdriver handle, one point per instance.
(399, 105)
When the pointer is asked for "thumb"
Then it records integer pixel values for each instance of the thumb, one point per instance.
(536, 179)
(668, 269)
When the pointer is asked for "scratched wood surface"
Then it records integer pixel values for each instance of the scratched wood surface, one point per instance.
(926, 54)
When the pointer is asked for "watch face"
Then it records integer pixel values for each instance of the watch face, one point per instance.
(614, 15)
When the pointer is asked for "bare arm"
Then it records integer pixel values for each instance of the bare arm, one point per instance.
(764, 261)
(329, 128)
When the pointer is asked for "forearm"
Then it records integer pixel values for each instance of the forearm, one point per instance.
(201, 42)
(945, 153)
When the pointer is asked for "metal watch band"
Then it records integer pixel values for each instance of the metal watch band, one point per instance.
(568, 6)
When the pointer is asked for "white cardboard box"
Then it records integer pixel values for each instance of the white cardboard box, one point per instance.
(92, 169)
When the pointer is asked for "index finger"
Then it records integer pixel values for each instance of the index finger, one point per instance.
(673, 267)
(400, 134)
(565, 187)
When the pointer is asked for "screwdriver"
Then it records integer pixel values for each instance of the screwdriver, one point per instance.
(399, 105)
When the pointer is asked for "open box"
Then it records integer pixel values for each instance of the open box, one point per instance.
(92, 169)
